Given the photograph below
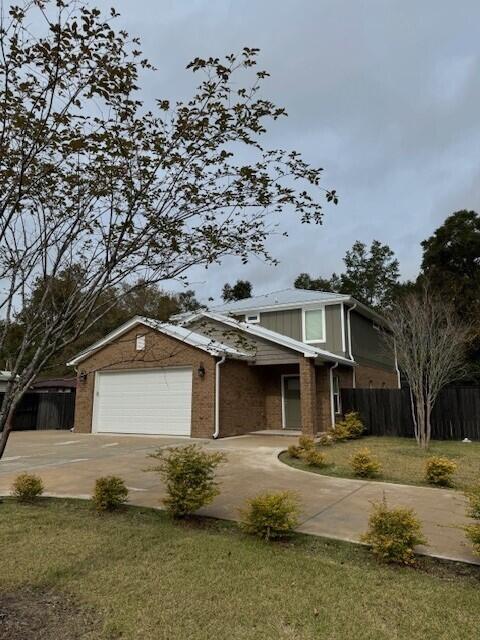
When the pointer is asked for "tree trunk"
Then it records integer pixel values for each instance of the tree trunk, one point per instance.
(7, 427)
(428, 425)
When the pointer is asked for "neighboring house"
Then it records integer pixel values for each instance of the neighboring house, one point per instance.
(5, 376)
(273, 362)
(55, 385)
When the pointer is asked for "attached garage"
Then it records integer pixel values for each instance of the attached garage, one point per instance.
(143, 401)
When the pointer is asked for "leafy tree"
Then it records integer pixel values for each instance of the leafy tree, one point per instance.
(371, 275)
(451, 261)
(305, 281)
(91, 177)
(240, 290)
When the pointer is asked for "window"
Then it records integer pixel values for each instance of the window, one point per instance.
(140, 342)
(314, 325)
(337, 402)
(253, 318)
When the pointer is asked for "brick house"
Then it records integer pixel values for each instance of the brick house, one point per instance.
(272, 362)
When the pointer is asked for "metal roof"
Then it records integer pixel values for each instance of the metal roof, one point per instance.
(284, 297)
(214, 347)
(285, 341)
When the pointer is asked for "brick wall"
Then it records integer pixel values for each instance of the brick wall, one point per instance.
(372, 377)
(160, 351)
(242, 398)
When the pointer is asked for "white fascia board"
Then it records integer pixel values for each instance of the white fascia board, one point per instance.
(277, 338)
(214, 348)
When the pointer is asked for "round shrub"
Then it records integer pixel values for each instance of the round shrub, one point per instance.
(189, 475)
(326, 439)
(472, 532)
(110, 493)
(315, 458)
(27, 487)
(473, 496)
(294, 451)
(364, 464)
(350, 428)
(305, 442)
(439, 471)
(271, 515)
(393, 533)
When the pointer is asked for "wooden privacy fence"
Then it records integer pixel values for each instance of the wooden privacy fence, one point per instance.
(44, 411)
(387, 412)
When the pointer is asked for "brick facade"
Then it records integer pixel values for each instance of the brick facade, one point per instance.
(308, 397)
(367, 377)
(160, 351)
(242, 398)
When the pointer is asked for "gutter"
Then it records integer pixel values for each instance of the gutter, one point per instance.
(332, 408)
(218, 364)
(349, 329)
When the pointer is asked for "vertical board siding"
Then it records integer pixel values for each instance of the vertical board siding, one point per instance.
(44, 411)
(387, 412)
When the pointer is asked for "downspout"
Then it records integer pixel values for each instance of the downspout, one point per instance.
(396, 364)
(218, 364)
(332, 407)
(350, 354)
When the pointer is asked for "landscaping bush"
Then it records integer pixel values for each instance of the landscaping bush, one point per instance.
(26, 487)
(473, 496)
(364, 464)
(348, 429)
(294, 451)
(271, 515)
(326, 439)
(439, 471)
(305, 442)
(472, 532)
(110, 493)
(315, 458)
(189, 475)
(393, 533)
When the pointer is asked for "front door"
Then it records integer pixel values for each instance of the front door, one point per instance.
(292, 418)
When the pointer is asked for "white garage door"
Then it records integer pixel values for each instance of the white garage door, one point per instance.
(143, 401)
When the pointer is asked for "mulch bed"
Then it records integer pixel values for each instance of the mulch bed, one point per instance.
(32, 614)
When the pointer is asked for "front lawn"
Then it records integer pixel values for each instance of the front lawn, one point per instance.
(402, 459)
(137, 574)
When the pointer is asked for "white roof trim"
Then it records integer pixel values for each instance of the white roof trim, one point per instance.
(213, 347)
(254, 329)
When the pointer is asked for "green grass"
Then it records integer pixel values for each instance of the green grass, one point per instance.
(402, 459)
(149, 578)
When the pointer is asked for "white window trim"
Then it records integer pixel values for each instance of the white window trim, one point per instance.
(324, 328)
(283, 376)
(248, 317)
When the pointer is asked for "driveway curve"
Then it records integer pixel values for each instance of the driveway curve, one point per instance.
(334, 507)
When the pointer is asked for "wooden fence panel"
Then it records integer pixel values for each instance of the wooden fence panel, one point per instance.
(44, 411)
(456, 413)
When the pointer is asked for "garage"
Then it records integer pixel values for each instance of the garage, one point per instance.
(143, 401)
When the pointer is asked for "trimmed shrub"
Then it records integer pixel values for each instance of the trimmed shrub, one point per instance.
(27, 487)
(305, 442)
(315, 458)
(393, 533)
(439, 471)
(189, 475)
(294, 451)
(364, 464)
(110, 493)
(326, 439)
(271, 515)
(348, 429)
(473, 496)
(472, 532)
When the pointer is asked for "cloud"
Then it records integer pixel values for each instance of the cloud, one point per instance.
(384, 94)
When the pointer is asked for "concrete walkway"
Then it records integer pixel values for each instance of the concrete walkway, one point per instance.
(334, 507)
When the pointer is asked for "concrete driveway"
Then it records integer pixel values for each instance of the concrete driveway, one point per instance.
(334, 507)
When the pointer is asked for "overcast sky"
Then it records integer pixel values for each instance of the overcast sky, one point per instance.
(384, 94)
